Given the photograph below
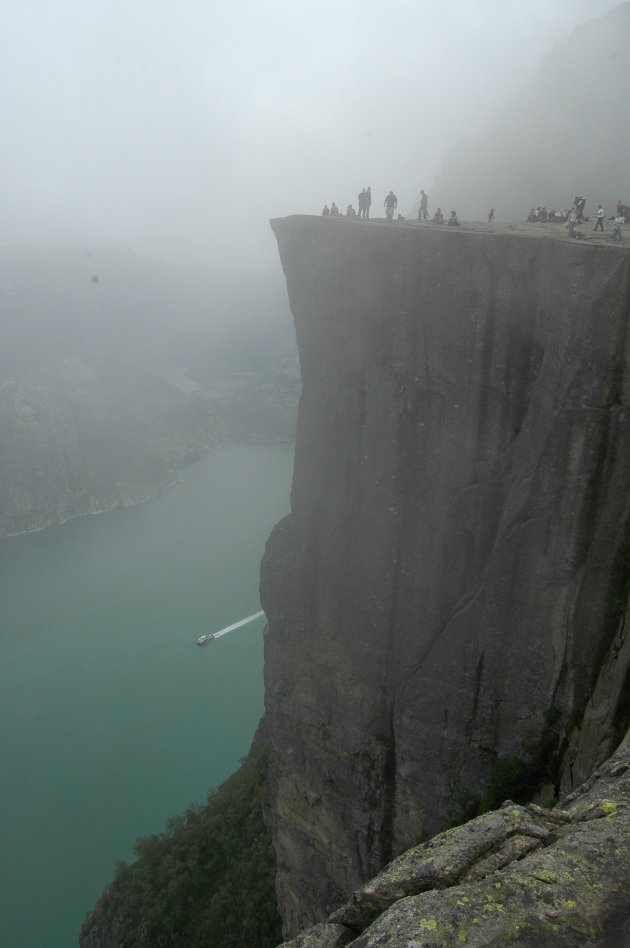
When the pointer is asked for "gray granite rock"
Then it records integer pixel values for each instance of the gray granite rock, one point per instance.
(573, 890)
(451, 581)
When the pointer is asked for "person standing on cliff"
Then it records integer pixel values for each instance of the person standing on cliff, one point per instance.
(423, 213)
(361, 202)
(491, 216)
(390, 204)
(617, 234)
(368, 201)
(599, 223)
(580, 204)
(573, 219)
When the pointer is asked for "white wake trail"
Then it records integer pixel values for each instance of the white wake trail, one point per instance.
(237, 625)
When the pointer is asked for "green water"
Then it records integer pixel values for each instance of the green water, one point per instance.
(111, 717)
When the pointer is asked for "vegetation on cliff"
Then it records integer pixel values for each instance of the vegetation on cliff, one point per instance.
(207, 880)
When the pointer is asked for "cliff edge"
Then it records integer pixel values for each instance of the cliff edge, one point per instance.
(446, 598)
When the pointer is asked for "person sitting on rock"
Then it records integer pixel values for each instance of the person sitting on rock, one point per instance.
(350, 212)
(453, 219)
(438, 217)
(326, 211)
(334, 210)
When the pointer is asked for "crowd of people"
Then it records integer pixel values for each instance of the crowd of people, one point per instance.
(571, 216)
(575, 215)
(364, 202)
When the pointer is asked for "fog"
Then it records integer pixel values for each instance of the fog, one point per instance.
(180, 127)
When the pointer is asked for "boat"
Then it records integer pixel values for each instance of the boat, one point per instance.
(204, 639)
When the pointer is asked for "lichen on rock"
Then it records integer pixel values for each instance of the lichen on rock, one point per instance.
(571, 889)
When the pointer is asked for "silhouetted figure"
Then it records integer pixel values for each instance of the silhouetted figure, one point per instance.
(491, 216)
(368, 200)
(390, 203)
(423, 213)
(334, 210)
(579, 204)
(326, 211)
(361, 200)
(453, 219)
(573, 219)
(438, 217)
(599, 223)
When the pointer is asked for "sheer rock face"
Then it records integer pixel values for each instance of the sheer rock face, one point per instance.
(450, 574)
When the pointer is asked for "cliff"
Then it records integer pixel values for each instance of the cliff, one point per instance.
(446, 598)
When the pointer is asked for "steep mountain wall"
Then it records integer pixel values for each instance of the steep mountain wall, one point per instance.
(448, 588)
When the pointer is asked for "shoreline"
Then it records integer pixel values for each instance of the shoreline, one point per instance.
(159, 489)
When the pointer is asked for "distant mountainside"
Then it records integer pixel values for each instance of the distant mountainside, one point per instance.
(82, 438)
(90, 417)
(567, 134)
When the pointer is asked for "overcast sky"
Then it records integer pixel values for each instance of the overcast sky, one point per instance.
(184, 125)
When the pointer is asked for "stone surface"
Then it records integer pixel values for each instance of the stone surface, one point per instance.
(448, 582)
(572, 890)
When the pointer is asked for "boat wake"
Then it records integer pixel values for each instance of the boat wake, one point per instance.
(229, 628)
(237, 625)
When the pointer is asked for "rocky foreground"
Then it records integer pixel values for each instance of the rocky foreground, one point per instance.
(521, 875)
